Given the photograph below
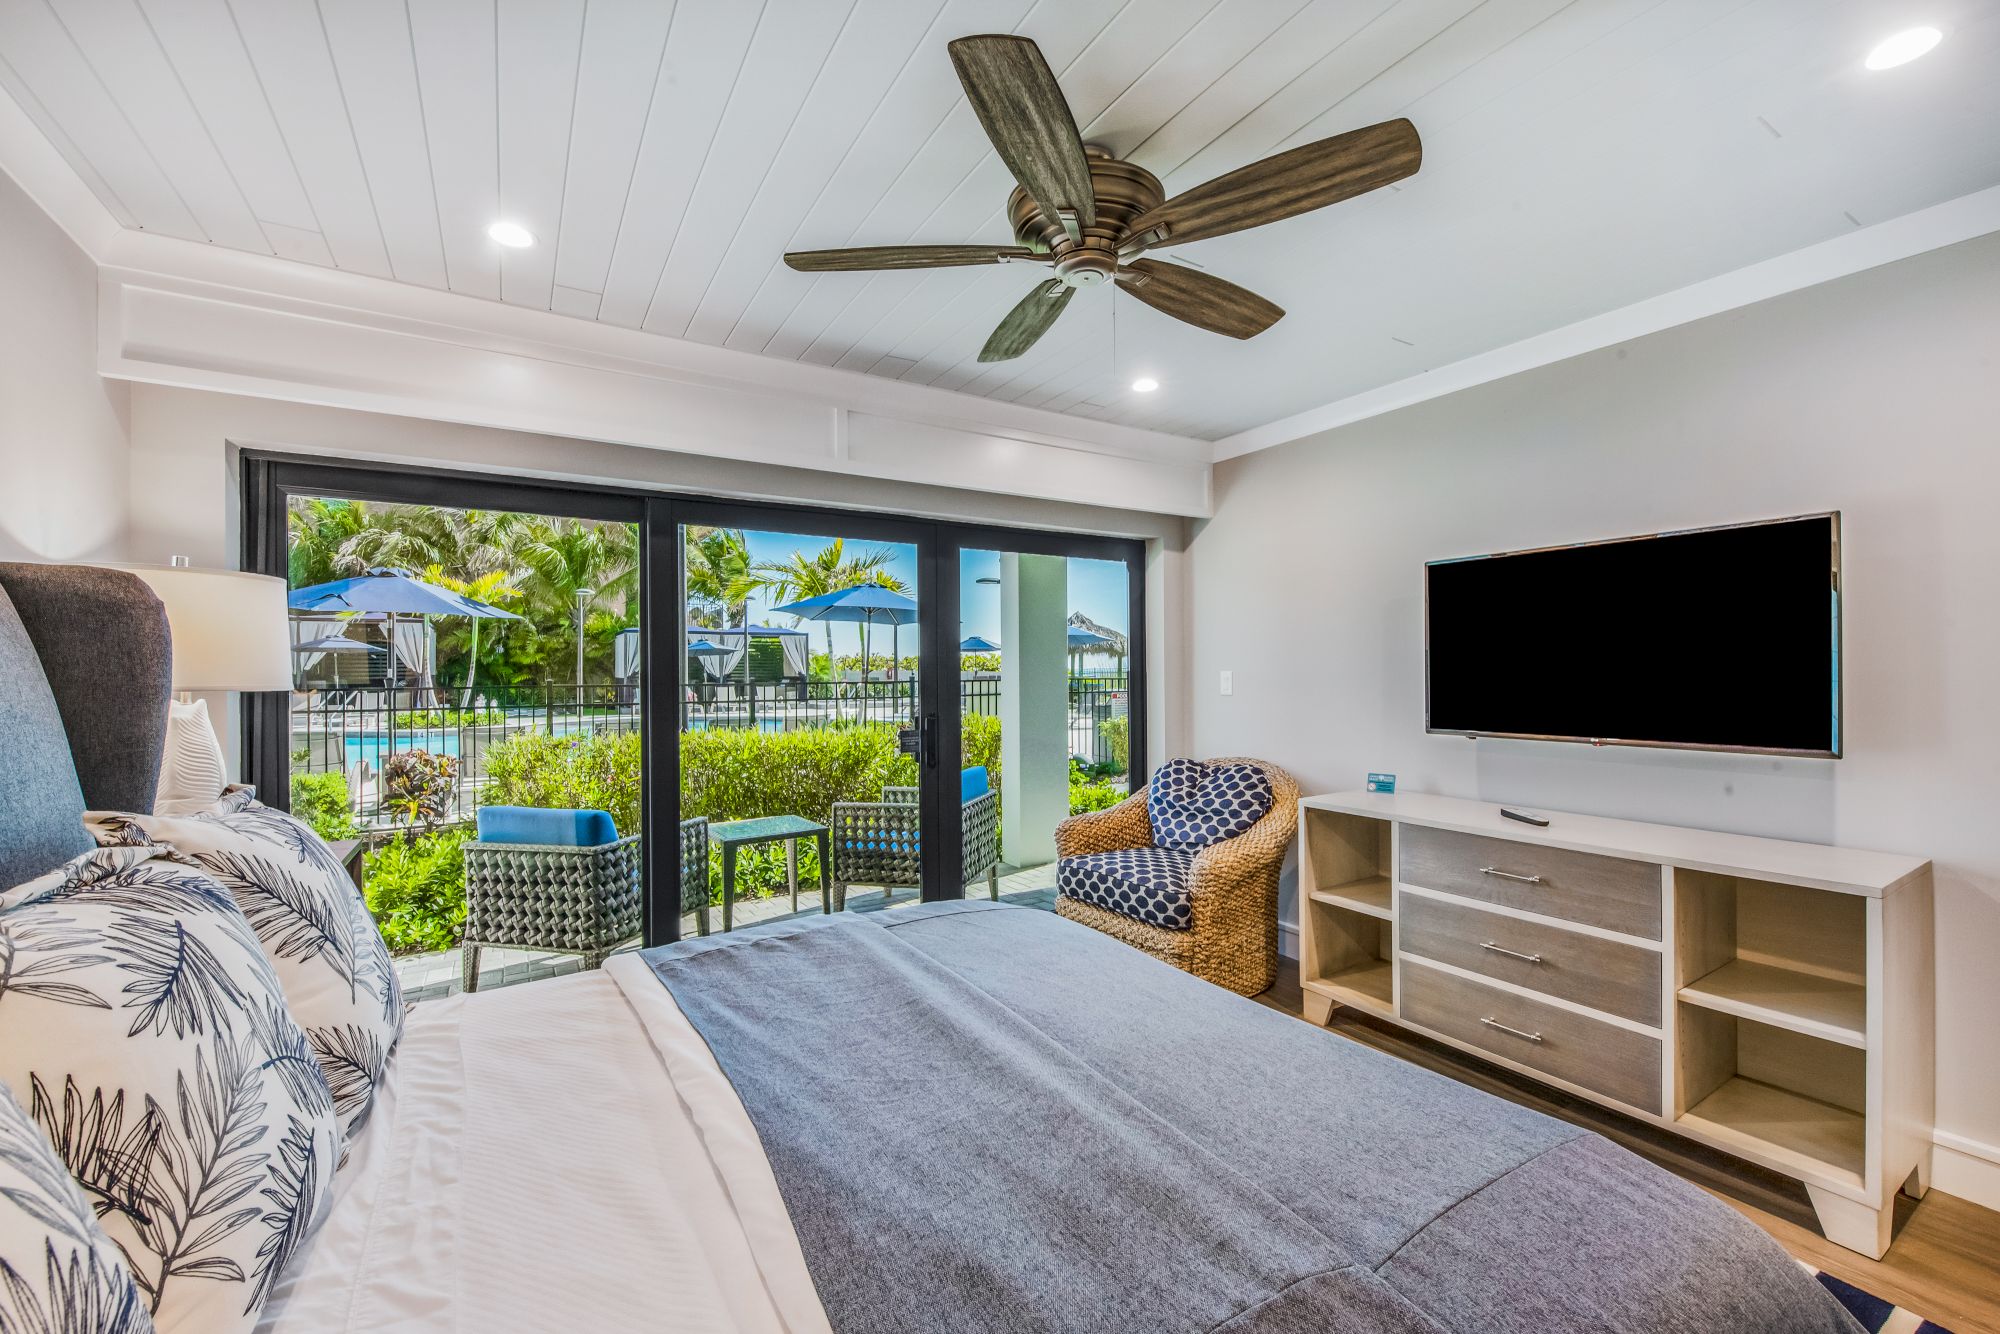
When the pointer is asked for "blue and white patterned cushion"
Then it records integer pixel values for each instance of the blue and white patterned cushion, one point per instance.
(1193, 804)
(1149, 885)
(143, 1029)
(339, 983)
(58, 1270)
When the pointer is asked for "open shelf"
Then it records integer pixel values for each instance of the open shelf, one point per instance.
(1762, 1120)
(1821, 1007)
(1371, 896)
(1368, 986)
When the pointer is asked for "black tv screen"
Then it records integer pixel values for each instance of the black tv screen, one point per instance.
(1712, 639)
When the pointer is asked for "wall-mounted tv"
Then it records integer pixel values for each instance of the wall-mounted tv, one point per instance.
(1707, 639)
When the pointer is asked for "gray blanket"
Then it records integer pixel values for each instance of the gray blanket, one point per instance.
(986, 1118)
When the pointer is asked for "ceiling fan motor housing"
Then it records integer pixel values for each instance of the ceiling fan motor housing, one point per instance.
(1090, 257)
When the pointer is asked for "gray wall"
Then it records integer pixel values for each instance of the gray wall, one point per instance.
(1877, 395)
(62, 428)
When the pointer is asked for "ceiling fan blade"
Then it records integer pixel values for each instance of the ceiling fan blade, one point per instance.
(1015, 96)
(1028, 321)
(1298, 181)
(909, 257)
(1201, 299)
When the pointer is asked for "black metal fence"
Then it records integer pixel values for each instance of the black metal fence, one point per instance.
(351, 732)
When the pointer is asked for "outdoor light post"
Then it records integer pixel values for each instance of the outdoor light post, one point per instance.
(583, 597)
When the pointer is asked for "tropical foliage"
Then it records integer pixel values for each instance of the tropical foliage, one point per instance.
(416, 890)
(828, 570)
(322, 801)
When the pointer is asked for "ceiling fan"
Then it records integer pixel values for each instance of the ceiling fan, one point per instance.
(1090, 216)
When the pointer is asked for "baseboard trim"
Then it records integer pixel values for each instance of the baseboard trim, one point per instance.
(1966, 1168)
(1288, 939)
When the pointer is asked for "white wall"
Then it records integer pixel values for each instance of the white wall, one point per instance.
(62, 427)
(183, 470)
(1877, 395)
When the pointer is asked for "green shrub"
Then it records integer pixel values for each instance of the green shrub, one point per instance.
(415, 889)
(435, 718)
(741, 775)
(1089, 790)
(1117, 734)
(321, 801)
(593, 771)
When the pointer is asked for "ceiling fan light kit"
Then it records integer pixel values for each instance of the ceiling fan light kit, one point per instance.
(1090, 217)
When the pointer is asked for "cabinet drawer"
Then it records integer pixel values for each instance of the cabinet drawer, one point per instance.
(1605, 975)
(1616, 1062)
(1610, 892)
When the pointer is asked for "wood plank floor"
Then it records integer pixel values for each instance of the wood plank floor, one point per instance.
(1944, 1263)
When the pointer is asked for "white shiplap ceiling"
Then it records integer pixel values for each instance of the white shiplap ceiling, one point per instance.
(1581, 155)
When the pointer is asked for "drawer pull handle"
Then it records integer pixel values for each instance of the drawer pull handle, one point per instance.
(1512, 954)
(1491, 1022)
(1509, 875)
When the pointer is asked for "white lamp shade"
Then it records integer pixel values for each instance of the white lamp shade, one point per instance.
(231, 630)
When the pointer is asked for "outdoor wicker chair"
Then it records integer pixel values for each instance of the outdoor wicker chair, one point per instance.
(1226, 893)
(876, 842)
(567, 900)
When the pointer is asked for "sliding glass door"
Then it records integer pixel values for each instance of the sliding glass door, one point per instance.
(807, 714)
(1047, 637)
(778, 709)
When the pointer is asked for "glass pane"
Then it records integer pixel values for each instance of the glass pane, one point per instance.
(796, 793)
(1044, 691)
(448, 659)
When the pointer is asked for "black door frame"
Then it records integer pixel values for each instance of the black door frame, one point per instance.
(269, 478)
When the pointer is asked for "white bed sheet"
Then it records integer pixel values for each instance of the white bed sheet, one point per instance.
(560, 1155)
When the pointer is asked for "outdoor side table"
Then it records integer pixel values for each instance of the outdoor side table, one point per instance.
(786, 829)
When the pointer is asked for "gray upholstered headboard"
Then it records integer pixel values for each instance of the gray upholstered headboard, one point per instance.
(86, 668)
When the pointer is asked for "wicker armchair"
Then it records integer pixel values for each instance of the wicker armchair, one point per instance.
(567, 900)
(875, 843)
(1233, 941)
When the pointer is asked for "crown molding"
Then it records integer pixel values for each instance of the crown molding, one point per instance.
(1955, 220)
(199, 316)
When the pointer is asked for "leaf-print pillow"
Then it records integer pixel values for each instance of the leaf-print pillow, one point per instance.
(58, 1271)
(145, 1032)
(330, 958)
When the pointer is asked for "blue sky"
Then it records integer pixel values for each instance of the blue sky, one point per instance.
(1097, 588)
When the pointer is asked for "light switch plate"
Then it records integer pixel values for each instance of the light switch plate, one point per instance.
(1229, 683)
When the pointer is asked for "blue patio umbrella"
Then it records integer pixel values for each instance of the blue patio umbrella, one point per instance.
(867, 605)
(395, 593)
(1081, 640)
(978, 644)
(702, 648)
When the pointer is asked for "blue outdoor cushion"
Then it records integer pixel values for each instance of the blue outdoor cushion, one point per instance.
(1150, 885)
(1192, 804)
(974, 782)
(548, 828)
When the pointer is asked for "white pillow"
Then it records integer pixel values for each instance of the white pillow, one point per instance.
(339, 982)
(192, 772)
(148, 1037)
(58, 1271)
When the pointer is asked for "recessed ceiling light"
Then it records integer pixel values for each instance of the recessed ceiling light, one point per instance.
(1903, 48)
(1145, 384)
(511, 234)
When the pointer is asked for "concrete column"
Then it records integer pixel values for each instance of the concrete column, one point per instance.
(1034, 705)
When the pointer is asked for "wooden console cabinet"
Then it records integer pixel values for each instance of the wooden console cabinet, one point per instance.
(1771, 999)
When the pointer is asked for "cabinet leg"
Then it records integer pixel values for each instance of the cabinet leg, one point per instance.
(1856, 1226)
(1319, 1008)
(1918, 1184)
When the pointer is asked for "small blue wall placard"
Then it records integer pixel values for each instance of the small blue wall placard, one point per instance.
(1381, 782)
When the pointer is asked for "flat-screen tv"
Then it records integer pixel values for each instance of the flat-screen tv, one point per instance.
(1708, 639)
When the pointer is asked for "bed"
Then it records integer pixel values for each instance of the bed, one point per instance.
(956, 1116)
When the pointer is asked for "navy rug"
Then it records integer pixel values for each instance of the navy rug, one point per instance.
(1877, 1316)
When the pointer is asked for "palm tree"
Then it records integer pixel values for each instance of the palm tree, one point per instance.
(828, 570)
(719, 581)
(574, 563)
(317, 529)
(492, 588)
(463, 543)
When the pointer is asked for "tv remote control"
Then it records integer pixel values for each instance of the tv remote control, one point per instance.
(1539, 821)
